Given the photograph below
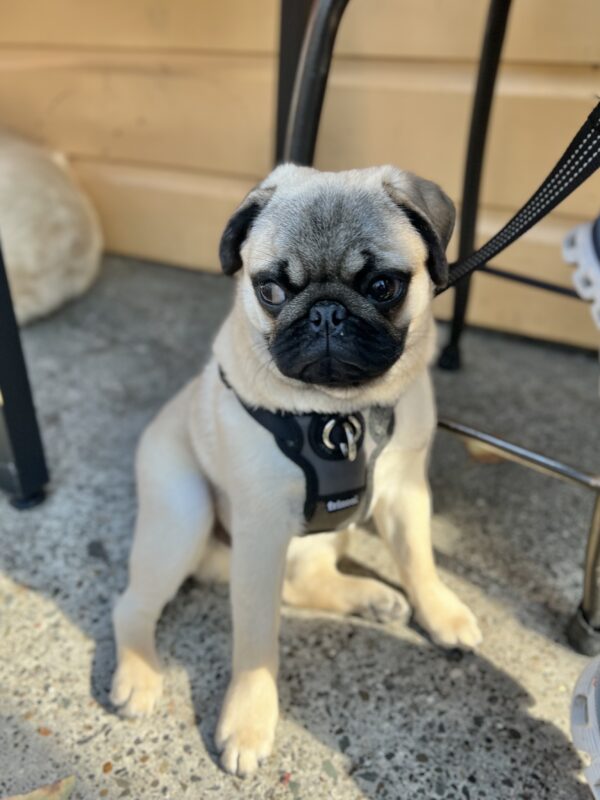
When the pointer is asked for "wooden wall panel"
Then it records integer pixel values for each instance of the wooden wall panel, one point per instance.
(226, 25)
(214, 113)
(167, 108)
(416, 115)
(540, 31)
(557, 31)
(506, 306)
(162, 214)
(199, 111)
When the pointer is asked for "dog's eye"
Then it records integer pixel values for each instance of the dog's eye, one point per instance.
(272, 293)
(385, 289)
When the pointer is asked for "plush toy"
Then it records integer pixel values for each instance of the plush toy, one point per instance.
(49, 231)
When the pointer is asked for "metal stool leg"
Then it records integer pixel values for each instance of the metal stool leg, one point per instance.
(584, 629)
(23, 472)
(486, 81)
(294, 16)
(311, 81)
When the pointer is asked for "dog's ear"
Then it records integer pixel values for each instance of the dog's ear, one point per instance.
(429, 210)
(237, 229)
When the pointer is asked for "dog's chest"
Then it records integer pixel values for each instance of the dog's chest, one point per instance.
(337, 455)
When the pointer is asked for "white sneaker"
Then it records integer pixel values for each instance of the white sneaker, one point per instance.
(581, 247)
(585, 721)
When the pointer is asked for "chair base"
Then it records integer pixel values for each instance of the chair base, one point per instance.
(29, 501)
(582, 637)
(449, 358)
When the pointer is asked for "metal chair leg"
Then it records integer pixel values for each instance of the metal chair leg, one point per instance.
(591, 587)
(583, 631)
(486, 81)
(294, 16)
(584, 628)
(311, 81)
(23, 471)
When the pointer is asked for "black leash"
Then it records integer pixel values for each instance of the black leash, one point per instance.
(580, 160)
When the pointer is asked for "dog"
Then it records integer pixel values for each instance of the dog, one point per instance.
(315, 407)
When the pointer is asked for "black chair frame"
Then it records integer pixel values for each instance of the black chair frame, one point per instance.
(23, 470)
(308, 33)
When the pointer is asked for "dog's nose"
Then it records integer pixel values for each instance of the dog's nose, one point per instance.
(327, 316)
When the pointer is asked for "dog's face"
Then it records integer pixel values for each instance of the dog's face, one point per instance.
(336, 267)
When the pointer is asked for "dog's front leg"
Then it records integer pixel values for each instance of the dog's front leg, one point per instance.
(403, 517)
(248, 719)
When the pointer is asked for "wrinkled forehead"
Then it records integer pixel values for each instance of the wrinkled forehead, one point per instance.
(323, 231)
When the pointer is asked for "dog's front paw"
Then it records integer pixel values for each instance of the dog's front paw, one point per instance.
(246, 729)
(447, 619)
(136, 686)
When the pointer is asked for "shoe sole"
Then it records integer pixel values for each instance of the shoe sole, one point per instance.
(585, 721)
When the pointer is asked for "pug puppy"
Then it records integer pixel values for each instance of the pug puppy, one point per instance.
(331, 320)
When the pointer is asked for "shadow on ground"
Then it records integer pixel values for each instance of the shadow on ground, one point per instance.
(368, 711)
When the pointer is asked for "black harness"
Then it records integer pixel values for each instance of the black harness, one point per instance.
(336, 453)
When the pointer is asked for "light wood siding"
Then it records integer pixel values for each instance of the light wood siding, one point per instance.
(166, 108)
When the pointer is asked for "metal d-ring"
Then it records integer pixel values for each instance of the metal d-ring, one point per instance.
(327, 430)
(352, 429)
(348, 447)
(356, 424)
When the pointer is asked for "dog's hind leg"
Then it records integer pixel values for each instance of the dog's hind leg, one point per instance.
(174, 520)
(313, 580)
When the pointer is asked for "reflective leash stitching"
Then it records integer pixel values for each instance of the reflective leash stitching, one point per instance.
(580, 160)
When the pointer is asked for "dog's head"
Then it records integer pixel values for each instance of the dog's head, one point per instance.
(337, 266)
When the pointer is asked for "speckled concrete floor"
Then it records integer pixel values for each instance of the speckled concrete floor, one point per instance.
(367, 711)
